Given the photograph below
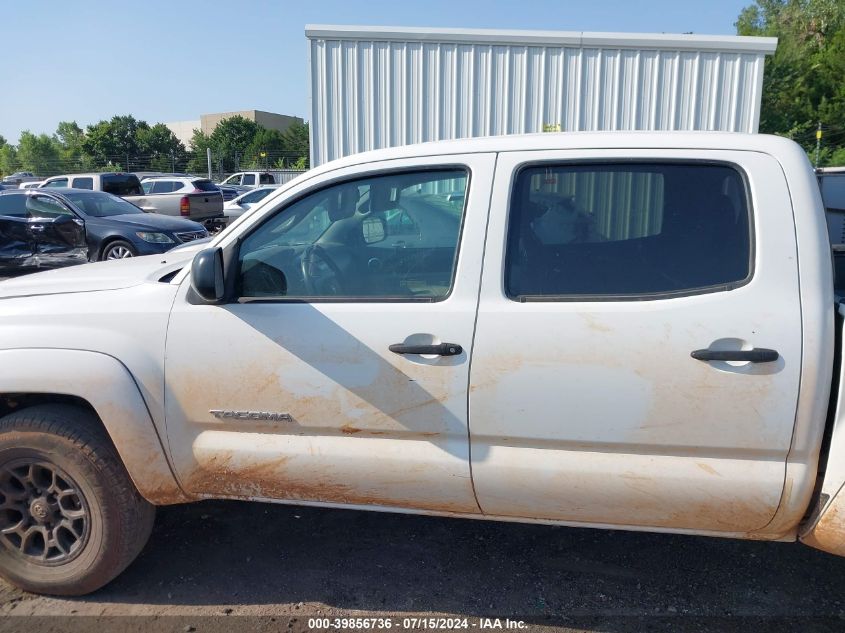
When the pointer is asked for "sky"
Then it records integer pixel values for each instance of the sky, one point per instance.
(177, 59)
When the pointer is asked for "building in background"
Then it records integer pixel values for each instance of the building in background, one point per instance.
(374, 87)
(184, 130)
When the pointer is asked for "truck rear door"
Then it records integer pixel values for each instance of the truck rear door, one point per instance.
(620, 374)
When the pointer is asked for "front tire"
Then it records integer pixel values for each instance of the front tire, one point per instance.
(70, 518)
(119, 249)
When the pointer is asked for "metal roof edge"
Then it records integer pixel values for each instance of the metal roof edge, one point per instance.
(581, 39)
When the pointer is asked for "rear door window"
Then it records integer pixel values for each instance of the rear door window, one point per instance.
(267, 179)
(626, 230)
(205, 185)
(122, 185)
(86, 182)
(165, 186)
(833, 191)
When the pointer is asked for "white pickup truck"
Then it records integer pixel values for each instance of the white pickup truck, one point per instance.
(632, 331)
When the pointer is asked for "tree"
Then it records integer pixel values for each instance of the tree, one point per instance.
(232, 136)
(158, 140)
(270, 142)
(297, 142)
(38, 154)
(115, 139)
(802, 84)
(2, 141)
(8, 160)
(200, 143)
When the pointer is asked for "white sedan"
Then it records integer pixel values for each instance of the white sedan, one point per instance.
(236, 207)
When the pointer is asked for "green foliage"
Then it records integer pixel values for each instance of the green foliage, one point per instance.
(124, 142)
(803, 83)
(200, 142)
(38, 154)
(158, 141)
(231, 138)
(8, 160)
(296, 139)
(117, 137)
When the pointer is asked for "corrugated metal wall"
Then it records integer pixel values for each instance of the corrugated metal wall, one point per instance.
(382, 87)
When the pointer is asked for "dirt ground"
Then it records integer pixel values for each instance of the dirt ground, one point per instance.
(275, 562)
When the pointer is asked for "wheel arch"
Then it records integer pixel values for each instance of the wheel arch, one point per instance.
(103, 385)
(109, 239)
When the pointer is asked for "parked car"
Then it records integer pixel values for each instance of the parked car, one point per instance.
(18, 177)
(196, 198)
(249, 179)
(117, 183)
(244, 202)
(618, 330)
(52, 228)
(230, 193)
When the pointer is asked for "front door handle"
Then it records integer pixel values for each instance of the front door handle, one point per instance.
(442, 349)
(757, 355)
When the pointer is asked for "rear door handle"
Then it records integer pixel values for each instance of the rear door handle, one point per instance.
(757, 355)
(442, 349)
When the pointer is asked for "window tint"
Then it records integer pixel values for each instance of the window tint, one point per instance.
(42, 207)
(165, 186)
(83, 183)
(122, 185)
(256, 196)
(630, 229)
(205, 185)
(833, 191)
(58, 183)
(266, 179)
(346, 241)
(248, 179)
(13, 206)
(101, 205)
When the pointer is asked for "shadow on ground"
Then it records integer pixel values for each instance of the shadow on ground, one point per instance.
(232, 553)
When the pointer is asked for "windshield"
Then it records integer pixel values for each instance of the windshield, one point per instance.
(100, 205)
(255, 196)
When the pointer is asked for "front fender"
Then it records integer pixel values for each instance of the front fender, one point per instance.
(108, 386)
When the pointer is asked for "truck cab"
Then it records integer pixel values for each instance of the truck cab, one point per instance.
(608, 330)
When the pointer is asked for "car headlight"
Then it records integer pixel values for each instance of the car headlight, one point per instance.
(155, 238)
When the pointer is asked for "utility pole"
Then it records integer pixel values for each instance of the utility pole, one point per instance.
(208, 156)
(818, 143)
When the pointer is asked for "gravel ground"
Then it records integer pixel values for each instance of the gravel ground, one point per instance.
(226, 558)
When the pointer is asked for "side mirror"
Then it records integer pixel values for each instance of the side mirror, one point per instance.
(207, 275)
(374, 230)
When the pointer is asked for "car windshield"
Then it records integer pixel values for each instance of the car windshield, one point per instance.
(99, 204)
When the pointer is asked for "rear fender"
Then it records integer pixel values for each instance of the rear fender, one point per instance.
(107, 385)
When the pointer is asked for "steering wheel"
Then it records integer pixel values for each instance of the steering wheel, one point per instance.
(321, 275)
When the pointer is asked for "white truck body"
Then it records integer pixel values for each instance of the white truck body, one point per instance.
(584, 412)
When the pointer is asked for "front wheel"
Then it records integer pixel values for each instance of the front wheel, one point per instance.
(70, 518)
(119, 249)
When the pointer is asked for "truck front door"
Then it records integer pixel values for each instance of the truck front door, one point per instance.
(310, 384)
(620, 374)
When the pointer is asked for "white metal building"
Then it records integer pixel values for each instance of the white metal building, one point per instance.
(374, 87)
